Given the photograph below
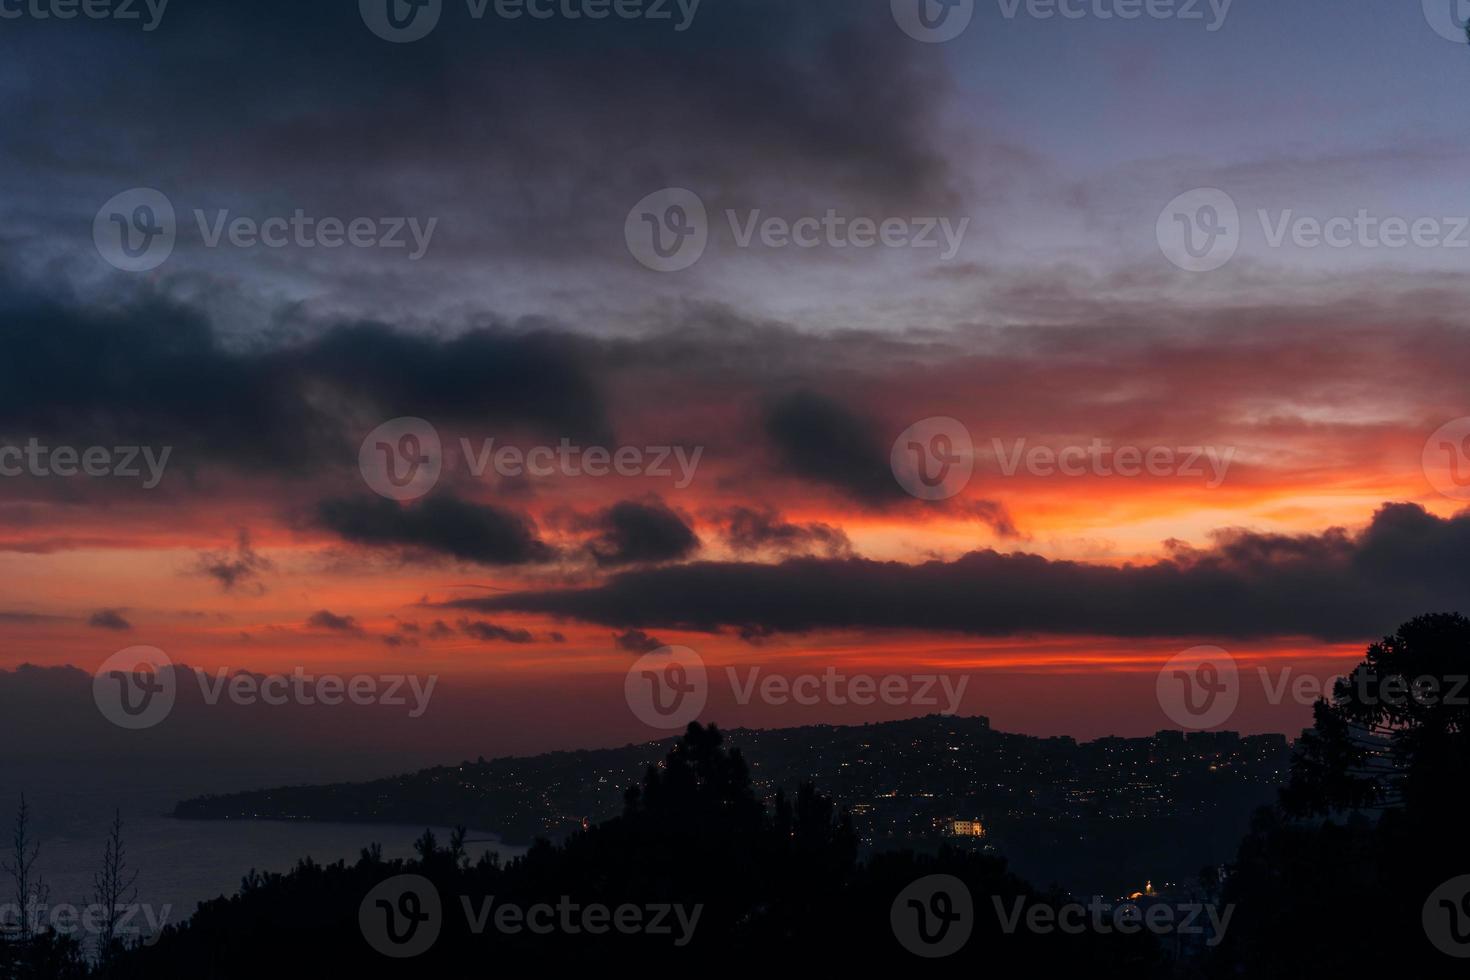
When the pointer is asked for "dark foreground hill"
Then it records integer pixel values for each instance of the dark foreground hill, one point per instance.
(696, 873)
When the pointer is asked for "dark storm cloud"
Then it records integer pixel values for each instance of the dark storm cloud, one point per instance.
(485, 375)
(637, 641)
(1334, 586)
(238, 569)
(994, 513)
(822, 440)
(479, 629)
(325, 619)
(155, 373)
(109, 619)
(507, 124)
(632, 532)
(439, 526)
(748, 529)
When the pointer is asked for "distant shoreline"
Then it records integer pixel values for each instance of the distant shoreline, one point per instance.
(475, 836)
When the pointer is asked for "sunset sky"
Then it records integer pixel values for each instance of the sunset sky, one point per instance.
(1059, 322)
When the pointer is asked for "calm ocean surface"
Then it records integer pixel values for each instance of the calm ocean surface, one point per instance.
(181, 863)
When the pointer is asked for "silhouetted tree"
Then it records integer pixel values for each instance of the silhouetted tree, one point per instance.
(30, 890)
(1395, 731)
(114, 885)
(1371, 822)
(28, 952)
(456, 847)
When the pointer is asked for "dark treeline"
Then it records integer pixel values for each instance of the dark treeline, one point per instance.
(1343, 878)
(29, 946)
(1340, 880)
(771, 884)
